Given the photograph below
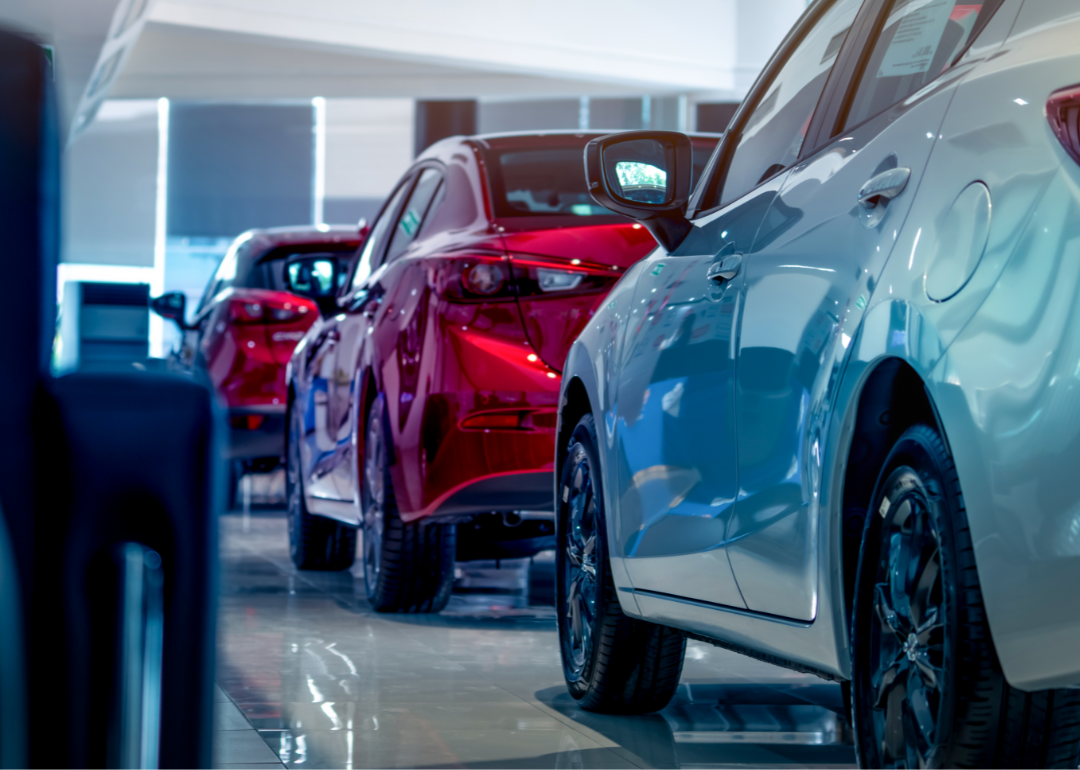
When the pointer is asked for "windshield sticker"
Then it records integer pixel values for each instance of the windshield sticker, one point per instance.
(916, 39)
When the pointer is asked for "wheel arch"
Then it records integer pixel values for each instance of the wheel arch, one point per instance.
(575, 405)
(892, 397)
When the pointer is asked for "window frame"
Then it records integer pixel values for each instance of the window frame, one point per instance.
(861, 62)
(408, 179)
(418, 171)
(715, 174)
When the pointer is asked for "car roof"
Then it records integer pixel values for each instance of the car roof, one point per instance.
(444, 148)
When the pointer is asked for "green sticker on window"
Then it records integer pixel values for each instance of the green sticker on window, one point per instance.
(860, 302)
(409, 222)
(656, 270)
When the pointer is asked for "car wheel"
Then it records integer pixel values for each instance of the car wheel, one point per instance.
(315, 542)
(928, 690)
(612, 663)
(407, 567)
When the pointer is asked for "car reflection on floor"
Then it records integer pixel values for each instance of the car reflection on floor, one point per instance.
(326, 682)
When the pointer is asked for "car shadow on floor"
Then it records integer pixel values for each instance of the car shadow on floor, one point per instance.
(710, 722)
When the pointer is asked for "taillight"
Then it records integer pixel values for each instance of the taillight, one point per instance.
(543, 277)
(495, 279)
(484, 278)
(274, 311)
(1063, 112)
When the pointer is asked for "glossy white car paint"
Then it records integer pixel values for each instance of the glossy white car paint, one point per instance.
(971, 280)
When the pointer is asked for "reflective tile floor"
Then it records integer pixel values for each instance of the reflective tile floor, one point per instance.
(310, 677)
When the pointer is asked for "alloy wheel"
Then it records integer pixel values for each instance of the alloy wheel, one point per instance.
(908, 644)
(579, 571)
(373, 497)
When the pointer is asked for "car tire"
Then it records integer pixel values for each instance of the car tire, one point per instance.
(612, 663)
(315, 542)
(927, 686)
(407, 567)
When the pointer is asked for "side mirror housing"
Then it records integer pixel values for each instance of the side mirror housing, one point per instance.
(172, 306)
(644, 175)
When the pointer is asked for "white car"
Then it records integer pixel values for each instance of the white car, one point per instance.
(833, 420)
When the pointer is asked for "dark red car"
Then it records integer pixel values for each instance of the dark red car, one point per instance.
(265, 294)
(423, 412)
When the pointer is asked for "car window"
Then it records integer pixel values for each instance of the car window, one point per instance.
(918, 41)
(412, 216)
(454, 205)
(376, 240)
(225, 275)
(541, 181)
(772, 136)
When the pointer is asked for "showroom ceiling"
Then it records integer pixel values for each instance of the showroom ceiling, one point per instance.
(258, 49)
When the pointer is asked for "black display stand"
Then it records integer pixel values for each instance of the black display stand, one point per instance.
(109, 486)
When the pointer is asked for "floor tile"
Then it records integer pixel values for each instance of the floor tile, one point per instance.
(327, 682)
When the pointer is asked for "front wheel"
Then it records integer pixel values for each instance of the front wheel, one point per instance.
(928, 690)
(407, 567)
(315, 542)
(612, 663)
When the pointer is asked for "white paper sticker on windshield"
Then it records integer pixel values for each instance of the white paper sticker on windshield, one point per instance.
(917, 38)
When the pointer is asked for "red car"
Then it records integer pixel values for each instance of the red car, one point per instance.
(265, 294)
(423, 412)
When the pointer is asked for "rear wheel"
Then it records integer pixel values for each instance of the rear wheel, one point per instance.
(315, 542)
(612, 663)
(928, 690)
(407, 567)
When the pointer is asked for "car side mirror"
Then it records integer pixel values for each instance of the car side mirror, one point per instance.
(315, 278)
(644, 175)
(172, 306)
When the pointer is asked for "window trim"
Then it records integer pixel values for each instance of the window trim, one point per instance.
(861, 62)
(419, 169)
(716, 169)
(408, 179)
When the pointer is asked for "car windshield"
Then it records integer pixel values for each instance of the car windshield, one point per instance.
(551, 181)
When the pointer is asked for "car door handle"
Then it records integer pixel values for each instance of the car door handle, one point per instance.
(725, 269)
(333, 337)
(884, 186)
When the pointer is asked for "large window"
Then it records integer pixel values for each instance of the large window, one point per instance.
(551, 181)
(919, 40)
(773, 135)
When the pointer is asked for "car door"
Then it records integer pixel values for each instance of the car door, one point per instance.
(675, 427)
(328, 447)
(362, 315)
(815, 264)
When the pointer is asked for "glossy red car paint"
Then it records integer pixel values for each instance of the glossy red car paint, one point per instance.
(459, 336)
(246, 327)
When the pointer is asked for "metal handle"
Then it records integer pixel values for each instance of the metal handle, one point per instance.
(884, 186)
(333, 337)
(726, 268)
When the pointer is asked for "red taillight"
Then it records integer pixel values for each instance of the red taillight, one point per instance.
(248, 421)
(494, 279)
(537, 276)
(269, 311)
(524, 420)
(1063, 112)
(485, 278)
(493, 420)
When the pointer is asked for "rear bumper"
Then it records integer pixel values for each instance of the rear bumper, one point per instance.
(454, 470)
(256, 432)
(529, 491)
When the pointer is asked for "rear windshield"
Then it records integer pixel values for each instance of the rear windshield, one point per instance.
(269, 272)
(551, 181)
